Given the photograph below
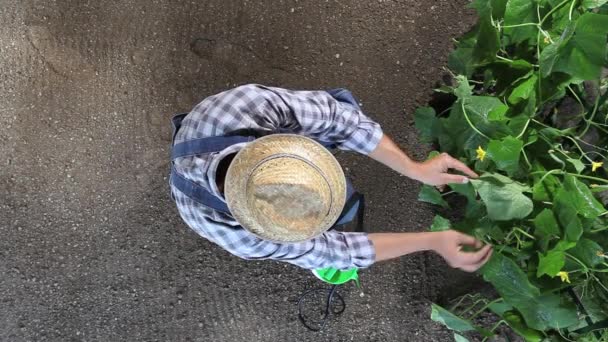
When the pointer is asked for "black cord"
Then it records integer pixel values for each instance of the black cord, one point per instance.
(329, 307)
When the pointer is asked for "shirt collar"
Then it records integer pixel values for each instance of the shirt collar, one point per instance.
(215, 161)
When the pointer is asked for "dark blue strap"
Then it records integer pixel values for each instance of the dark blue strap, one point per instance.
(206, 145)
(197, 193)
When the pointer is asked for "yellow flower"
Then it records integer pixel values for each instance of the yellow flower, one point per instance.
(601, 254)
(564, 276)
(480, 153)
(546, 40)
(595, 166)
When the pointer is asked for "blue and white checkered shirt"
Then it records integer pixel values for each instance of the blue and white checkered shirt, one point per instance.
(269, 110)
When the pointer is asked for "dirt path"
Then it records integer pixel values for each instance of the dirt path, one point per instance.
(91, 247)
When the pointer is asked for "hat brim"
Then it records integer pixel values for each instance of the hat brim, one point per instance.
(297, 146)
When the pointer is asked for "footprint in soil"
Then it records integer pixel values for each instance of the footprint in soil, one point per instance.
(59, 58)
(240, 60)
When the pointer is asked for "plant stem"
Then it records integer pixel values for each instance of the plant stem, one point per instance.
(523, 151)
(524, 232)
(497, 300)
(588, 121)
(553, 10)
(464, 112)
(502, 321)
(519, 25)
(585, 268)
(570, 11)
(558, 171)
(524, 130)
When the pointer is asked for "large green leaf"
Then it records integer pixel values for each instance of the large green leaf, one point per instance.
(580, 51)
(426, 123)
(505, 153)
(509, 280)
(503, 197)
(524, 90)
(545, 190)
(589, 4)
(516, 322)
(430, 194)
(549, 311)
(587, 251)
(582, 198)
(440, 223)
(540, 312)
(520, 12)
(488, 41)
(566, 212)
(551, 263)
(485, 108)
(546, 225)
(441, 315)
(460, 338)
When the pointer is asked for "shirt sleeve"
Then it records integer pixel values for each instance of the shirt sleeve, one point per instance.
(336, 249)
(318, 115)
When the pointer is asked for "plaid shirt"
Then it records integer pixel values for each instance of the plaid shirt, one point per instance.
(269, 110)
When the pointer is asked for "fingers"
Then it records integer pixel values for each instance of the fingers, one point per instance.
(456, 164)
(474, 267)
(464, 239)
(448, 178)
(475, 260)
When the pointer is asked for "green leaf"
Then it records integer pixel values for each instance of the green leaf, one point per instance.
(461, 61)
(516, 322)
(582, 198)
(483, 108)
(545, 190)
(503, 197)
(550, 263)
(589, 4)
(580, 51)
(549, 311)
(524, 90)
(431, 195)
(586, 251)
(474, 207)
(578, 165)
(520, 12)
(460, 338)
(545, 224)
(509, 280)
(440, 224)
(426, 123)
(540, 312)
(488, 41)
(441, 315)
(464, 89)
(505, 153)
(567, 215)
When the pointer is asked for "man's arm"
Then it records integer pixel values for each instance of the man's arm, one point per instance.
(448, 244)
(432, 172)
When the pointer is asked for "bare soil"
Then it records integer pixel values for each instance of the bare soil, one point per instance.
(91, 246)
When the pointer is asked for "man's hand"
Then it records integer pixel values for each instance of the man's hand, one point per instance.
(449, 245)
(431, 172)
(435, 171)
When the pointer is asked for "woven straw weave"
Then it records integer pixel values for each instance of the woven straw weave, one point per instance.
(285, 188)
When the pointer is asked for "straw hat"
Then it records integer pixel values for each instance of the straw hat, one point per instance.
(285, 188)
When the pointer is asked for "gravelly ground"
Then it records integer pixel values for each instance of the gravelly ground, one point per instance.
(91, 247)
